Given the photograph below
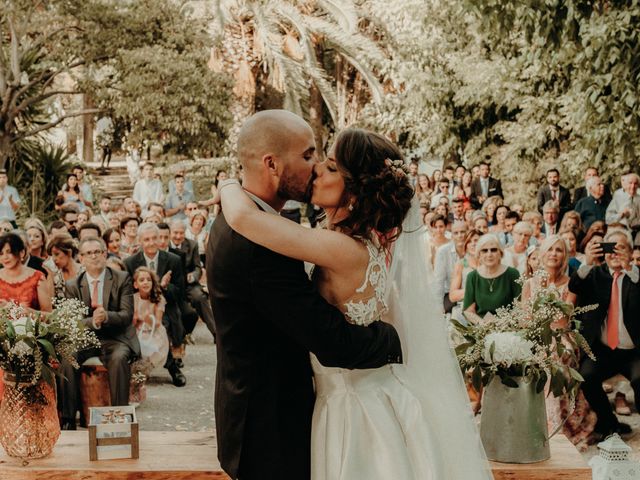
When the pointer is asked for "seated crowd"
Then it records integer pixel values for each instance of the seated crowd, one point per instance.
(484, 254)
(136, 265)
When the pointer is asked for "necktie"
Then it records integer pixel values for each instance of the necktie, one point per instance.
(613, 314)
(152, 265)
(554, 195)
(94, 294)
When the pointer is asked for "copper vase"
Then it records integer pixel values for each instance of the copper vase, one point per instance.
(29, 425)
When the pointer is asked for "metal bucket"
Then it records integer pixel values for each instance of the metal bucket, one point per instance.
(513, 425)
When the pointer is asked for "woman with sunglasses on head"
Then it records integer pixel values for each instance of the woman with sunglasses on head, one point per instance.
(492, 285)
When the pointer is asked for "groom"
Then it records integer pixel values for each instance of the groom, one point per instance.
(269, 316)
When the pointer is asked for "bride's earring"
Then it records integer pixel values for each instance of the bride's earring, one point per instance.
(350, 207)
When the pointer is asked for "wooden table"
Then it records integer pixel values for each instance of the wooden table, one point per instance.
(163, 456)
(566, 463)
(192, 456)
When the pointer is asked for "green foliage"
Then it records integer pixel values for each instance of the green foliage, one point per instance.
(527, 85)
(40, 171)
(51, 52)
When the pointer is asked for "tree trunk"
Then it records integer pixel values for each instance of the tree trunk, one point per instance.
(315, 119)
(88, 125)
(5, 149)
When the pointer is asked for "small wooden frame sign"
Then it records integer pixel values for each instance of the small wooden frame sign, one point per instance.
(113, 433)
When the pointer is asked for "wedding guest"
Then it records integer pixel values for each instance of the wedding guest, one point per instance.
(62, 250)
(570, 236)
(584, 191)
(550, 214)
(129, 237)
(480, 223)
(497, 224)
(443, 210)
(610, 330)
(438, 235)
(457, 211)
(104, 209)
(635, 255)
(9, 199)
(177, 201)
(87, 230)
(37, 238)
(533, 260)
(443, 192)
(188, 184)
(69, 215)
(168, 267)
(148, 309)
(465, 187)
(435, 178)
(148, 189)
(29, 260)
(108, 294)
(423, 189)
(156, 209)
(6, 226)
(516, 255)
(112, 239)
(536, 221)
(197, 232)
(193, 269)
(71, 193)
(85, 188)
(572, 220)
(593, 207)
(213, 201)
(554, 192)
(519, 209)
(18, 282)
(492, 285)
(461, 271)
(625, 205)
(57, 227)
(485, 186)
(446, 257)
(489, 208)
(577, 419)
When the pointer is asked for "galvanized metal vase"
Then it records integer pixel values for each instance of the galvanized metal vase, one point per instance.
(513, 425)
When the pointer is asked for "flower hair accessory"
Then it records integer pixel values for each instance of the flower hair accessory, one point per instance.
(398, 167)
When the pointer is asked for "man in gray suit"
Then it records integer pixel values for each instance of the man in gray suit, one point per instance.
(108, 294)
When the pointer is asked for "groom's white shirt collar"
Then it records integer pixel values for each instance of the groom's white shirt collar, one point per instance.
(265, 206)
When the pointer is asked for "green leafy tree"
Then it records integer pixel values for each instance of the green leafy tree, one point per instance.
(51, 52)
(311, 54)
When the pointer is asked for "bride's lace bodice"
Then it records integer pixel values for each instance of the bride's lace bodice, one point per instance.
(367, 303)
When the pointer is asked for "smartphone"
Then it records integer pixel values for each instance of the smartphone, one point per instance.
(608, 247)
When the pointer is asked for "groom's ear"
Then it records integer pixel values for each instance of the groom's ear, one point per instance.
(270, 164)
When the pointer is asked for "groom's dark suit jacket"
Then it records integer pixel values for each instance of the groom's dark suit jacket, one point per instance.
(268, 317)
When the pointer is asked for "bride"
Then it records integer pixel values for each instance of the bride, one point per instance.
(408, 422)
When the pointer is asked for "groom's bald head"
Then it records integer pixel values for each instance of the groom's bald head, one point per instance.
(270, 132)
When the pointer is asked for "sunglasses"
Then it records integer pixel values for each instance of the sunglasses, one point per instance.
(487, 250)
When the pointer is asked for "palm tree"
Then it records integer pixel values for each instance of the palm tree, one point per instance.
(309, 51)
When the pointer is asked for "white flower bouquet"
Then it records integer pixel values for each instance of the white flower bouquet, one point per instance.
(33, 344)
(536, 339)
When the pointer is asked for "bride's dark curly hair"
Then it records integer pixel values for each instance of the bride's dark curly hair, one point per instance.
(377, 192)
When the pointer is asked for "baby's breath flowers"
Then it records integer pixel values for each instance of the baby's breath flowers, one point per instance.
(536, 339)
(32, 345)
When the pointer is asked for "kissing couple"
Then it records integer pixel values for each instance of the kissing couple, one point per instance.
(347, 375)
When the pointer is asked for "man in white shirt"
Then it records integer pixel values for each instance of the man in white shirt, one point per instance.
(612, 330)
(625, 205)
(443, 192)
(85, 188)
(446, 258)
(9, 199)
(550, 215)
(148, 189)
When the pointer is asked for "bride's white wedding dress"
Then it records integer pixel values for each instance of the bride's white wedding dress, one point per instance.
(403, 422)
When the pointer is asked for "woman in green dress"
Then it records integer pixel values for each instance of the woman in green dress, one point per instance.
(492, 285)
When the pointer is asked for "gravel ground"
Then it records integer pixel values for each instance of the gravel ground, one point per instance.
(189, 408)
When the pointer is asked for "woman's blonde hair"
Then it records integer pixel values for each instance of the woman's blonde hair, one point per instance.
(549, 242)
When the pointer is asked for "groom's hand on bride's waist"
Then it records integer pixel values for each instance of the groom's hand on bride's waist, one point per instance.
(389, 333)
